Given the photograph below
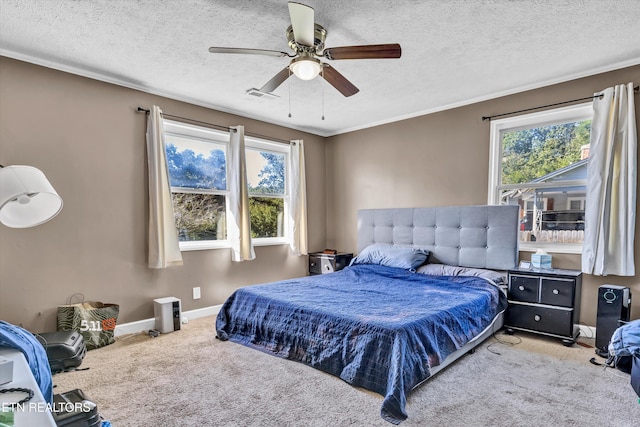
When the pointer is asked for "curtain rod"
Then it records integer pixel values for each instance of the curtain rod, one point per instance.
(220, 127)
(485, 118)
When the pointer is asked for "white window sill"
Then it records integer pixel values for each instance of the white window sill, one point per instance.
(560, 248)
(223, 244)
(203, 245)
(270, 242)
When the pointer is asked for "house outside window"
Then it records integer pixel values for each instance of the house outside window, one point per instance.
(198, 175)
(539, 162)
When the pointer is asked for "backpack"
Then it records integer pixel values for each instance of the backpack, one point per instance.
(624, 351)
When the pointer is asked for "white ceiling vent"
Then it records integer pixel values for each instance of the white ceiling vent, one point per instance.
(266, 95)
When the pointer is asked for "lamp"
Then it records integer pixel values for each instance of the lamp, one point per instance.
(305, 67)
(27, 198)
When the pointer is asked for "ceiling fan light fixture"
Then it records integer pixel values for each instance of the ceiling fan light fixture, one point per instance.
(306, 40)
(305, 68)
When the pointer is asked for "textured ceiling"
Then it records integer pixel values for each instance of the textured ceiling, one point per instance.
(453, 51)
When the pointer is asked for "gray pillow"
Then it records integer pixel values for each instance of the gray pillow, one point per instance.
(454, 270)
(392, 256)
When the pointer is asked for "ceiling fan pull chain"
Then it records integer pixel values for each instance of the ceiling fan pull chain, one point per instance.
(322, 85)
(289, 94)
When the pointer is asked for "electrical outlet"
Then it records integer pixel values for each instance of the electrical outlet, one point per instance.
(196, 293)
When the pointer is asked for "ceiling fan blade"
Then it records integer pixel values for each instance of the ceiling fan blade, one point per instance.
(249, 51)
(337, 80)
(302, 21)
(372, 51)
(276, 81)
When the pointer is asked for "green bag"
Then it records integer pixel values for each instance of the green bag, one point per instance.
(94, 320)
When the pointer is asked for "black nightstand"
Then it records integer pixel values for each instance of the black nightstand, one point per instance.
(322, 263)
(545, 301)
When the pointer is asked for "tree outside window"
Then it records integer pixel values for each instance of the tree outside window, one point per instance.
(266, 192)
(196, 161)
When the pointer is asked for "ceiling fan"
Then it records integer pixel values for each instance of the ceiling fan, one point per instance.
(306, 39)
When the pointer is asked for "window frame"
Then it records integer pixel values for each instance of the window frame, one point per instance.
(578, 112)
(571, 199)
(258, 144)
(207, 135)
(210, 135)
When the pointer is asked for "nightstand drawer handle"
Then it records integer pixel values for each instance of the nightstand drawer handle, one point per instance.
(556, 292)
(521, 287)
(313, 264)
(327, 267)
(536, 318)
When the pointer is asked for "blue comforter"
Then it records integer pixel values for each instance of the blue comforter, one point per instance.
(376, 327)
(13, 336)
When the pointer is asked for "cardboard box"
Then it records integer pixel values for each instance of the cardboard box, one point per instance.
(541, 260)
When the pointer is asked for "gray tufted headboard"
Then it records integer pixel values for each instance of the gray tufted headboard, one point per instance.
(466, 236)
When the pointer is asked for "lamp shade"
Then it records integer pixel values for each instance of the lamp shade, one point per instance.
(305, 68)
(27, 198)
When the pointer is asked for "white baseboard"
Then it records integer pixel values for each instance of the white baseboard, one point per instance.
(146, 324)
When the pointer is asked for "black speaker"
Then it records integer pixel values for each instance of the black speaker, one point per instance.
(614, 309)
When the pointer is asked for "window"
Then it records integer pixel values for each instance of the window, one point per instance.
(267, 181)
(576, 203)
(197, 165)
(539, 161)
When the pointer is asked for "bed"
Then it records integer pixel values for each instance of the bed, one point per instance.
(424, 290)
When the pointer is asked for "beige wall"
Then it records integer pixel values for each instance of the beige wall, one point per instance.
(442, 159)
(87, 138)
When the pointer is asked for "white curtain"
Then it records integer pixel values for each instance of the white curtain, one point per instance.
(610, 214)
(239, 224)
(298, 202)
(164, 248)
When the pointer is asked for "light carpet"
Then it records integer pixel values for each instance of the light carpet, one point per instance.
(189, 378)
